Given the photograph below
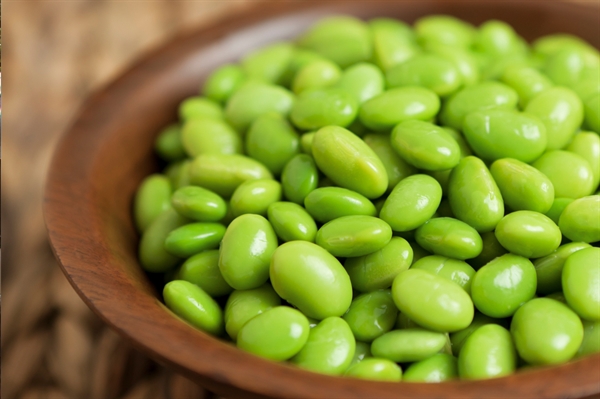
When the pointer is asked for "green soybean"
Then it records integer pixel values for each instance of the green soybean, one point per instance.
(362, 352)
(193, 238)
(426, 70)
(523, 187)
(478, 97)
(255, 196)
(223, 173)
(209, 136)
(376, 370)
(315, 109)
(243, 305)
(194, 305)
(396, 168)
(459, 338)
(276, 334)
(152, 253)
(355, 235)
(299, 177)
(452, 269)
(489, 352)
(329, 203)
(561, 111)
(528, 82)
(591, 108)
(474, 196)
(349, 162)
(168, 144)
(291, 222)
(393, 42)
(151, 199)
(432, 301)
(329, 349)
(371, 315)
(269, 63)
(317, 74)
(444, 30)
(364, 81)
(591, 338)
(581, 283)
(377, 270)
(503, 285)
(199, 204)
(587, 145)
(246, 250)
(310, 278)
(272, 141)
(496, 39)
(546, 331)
(557, 208)
(410, 345)
(529, 234)
(223, 82)
(449, 237)
(550, 267)
(386, 110)
(438, 368)
(580, 220)
(425, 145)
(203, 270)
(199, 107)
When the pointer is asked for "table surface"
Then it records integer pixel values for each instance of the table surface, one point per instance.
(55, 54)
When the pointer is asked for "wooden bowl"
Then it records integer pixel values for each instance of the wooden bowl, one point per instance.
(108, 151)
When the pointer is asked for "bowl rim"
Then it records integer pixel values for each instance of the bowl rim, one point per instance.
(65, 214)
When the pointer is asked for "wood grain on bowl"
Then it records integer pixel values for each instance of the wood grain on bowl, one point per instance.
(108, 151)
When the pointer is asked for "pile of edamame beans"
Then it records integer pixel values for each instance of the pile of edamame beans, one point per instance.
(387, 202)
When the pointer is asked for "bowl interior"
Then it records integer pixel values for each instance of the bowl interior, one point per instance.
(108, 151)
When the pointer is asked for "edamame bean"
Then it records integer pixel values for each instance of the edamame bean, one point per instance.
(529, 234)
(328, 203)
(528, 82)
(376, 370)
(203, 270)
(591, 108)
(546, 332)
(449, 237)
(371, 315)
(439, 367)
(246, 250)
(444, 30)
(254, 99)
(344, 40)
(386, 110)
(425, 145)
(364, 81)
(432, 301)
(459, 338)
(452, 269)
(272, 141)
(243, 305)
(299, 177)
(329, 349)
(393, 42)
(426, 70)
(153, 256)
(505, 133)
(489, 352)
(503, 285)
(315, 109)
(474, 196)
(317, 74)
(411, 203)
(306, 142)
(310, 278)
(396, 168)
(199, 204)
(151, 199)
(377, 270)
(291, 222)
(349, 162)
(561, 111)
(168, 144)
(223, 173)
(587, 145)
(557, 208)
(276, 334)
(355, 235)
(269, 63)
(410, 345)
(550, 267)
(566, 65)
(199, 107)
(193, 238)
(591, 338)
(255, 196)
(478, 97)
(223, 82)
(209, 136)
(581, 283)
(580, 220)
(496, 39)
(462, 59)
(523, 187)
(362, 352)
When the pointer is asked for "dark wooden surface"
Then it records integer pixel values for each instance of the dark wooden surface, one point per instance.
(107, 153)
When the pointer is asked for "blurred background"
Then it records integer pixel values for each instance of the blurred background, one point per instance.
(55, 54)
